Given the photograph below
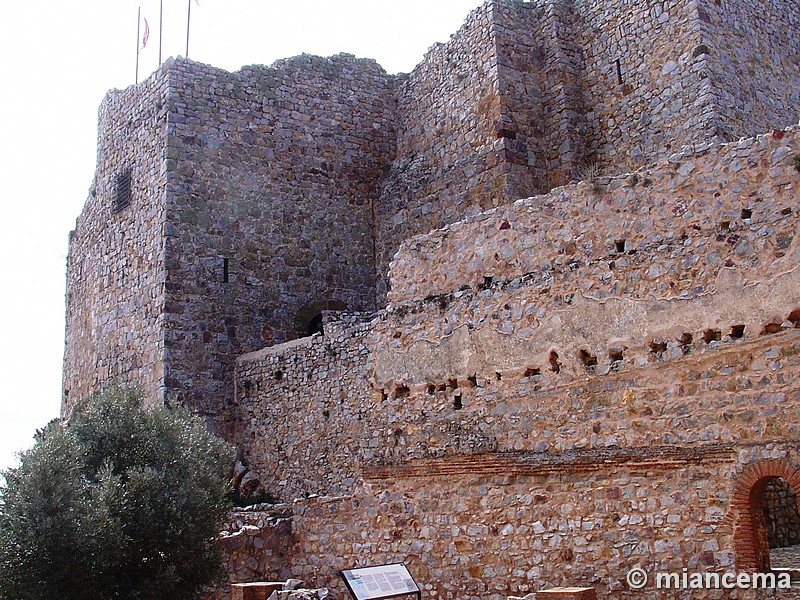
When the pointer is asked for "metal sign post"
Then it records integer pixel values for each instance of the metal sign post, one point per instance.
(380, 581)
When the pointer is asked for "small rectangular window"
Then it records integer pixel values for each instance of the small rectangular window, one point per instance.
(619, 71)
(122, 191)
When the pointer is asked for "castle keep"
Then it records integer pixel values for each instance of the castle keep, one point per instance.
(383, 290)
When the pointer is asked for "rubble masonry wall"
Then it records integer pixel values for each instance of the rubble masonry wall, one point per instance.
(270, 209)
(116, 263)
(573, 385)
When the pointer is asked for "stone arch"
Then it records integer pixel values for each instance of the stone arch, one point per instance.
(750, 545)
(308, 320)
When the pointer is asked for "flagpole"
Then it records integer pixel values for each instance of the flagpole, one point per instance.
(188, 22)
(138, 25)
(160, 28)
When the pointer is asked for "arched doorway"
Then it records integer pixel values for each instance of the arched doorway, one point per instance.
(767, 521)
(308, 320)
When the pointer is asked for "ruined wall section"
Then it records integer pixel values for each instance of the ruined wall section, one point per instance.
(270, 209)
(115, 266)
(305, 410)
(450, 157)
(577, 385)
(657, 266)
(660, 99)
(751, 51)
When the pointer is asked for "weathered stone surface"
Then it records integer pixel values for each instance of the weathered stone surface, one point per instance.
(260, 198)
(601, 376)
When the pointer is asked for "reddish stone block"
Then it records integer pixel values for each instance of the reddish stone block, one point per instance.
(567, 593)
(257, 590)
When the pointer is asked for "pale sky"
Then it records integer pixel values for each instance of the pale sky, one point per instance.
(58, 60)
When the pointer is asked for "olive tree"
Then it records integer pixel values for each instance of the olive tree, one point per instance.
(120, 501)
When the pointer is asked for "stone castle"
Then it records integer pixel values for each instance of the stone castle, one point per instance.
(386, 292)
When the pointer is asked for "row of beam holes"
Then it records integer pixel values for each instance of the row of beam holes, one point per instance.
(657, 347)
(615, 354)
(736, 333)
(453, 387)
(619, 245)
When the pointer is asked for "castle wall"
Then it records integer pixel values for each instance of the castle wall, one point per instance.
(449, 157)
(662, 98)
(700, 248)
(540, 71)
(469, 533)
(115, 266)
(300, 409)
(574, 387)
(270, 209)
(752, 51)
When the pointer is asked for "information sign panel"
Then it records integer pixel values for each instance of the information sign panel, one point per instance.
(380, 581)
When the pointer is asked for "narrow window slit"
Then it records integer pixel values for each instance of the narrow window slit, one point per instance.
(122, 191)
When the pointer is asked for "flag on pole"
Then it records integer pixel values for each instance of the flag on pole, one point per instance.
(146, 35)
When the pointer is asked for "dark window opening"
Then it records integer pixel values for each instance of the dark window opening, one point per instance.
(737, 332)
(616, 355)
(315, 324)
(619, 71)
(122, 191)
(225, 270)
(555, 365)
(401, 391)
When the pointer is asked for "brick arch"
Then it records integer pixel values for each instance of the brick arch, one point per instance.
(750, 545)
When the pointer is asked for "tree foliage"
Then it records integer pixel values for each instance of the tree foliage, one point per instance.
(118, 502)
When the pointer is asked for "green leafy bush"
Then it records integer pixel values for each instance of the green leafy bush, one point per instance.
(119, 502)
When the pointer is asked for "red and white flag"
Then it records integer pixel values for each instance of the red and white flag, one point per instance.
(146, 35)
